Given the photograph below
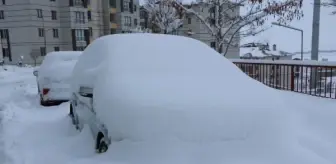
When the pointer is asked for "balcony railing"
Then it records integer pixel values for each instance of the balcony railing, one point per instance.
(309, 77)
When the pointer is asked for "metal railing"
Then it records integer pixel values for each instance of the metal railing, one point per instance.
(317, 78)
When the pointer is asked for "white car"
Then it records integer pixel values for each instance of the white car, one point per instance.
(53, 77)
(138, 87)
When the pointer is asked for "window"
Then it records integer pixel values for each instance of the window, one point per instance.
(41, 32)
(213, 45)
(78, 2)
(142, 14)
(4, 33)
(3, 2)
(52, 0)
(53, 15)
(5, 52)
(112, 17)
(39, 13)
(43, 51)
(55, 33)
(113, 3)
(135, 7)
(127, 21)
(90, 31)
(2, 14)
(135, 22)
(79, 35)
(189, 20)
(89, 15)
(126, 5)
(56, 49)
(80, 17)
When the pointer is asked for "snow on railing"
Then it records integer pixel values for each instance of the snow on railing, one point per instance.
(317, 78)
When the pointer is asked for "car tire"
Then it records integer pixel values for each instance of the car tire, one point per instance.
(102, 147)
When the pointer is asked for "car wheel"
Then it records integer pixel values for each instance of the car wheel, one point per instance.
(102, 147)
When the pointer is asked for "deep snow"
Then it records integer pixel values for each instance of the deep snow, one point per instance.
(35, 135)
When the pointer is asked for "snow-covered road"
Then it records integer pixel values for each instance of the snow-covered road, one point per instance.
(31, 134)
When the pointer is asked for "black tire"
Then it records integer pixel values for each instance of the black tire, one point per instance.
(102, 147)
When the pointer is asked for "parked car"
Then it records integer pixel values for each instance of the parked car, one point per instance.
(126, 89)
(53, 77)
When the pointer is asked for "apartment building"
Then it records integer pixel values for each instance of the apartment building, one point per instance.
(29, 29)
(192, 27)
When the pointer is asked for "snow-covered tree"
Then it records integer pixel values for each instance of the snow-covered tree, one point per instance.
(225, 23)
(164, 15)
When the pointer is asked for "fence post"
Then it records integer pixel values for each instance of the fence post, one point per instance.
(292, 78)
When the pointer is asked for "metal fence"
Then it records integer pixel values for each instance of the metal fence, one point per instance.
(309, 77)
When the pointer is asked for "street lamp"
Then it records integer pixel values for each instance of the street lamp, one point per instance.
(293, 28)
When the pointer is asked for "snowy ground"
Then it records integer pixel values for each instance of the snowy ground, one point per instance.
(31, 134)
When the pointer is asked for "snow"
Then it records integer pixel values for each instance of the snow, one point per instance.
(258, 130)
(58, 64)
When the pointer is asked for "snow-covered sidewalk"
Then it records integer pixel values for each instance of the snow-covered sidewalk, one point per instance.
(31, 134)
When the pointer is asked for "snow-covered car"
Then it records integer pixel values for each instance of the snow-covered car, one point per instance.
(166, 88)
(53, 77)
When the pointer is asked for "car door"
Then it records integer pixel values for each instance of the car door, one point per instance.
(83, 105)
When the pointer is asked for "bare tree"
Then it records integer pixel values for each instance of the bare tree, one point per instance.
(225, 22)
(164, 15)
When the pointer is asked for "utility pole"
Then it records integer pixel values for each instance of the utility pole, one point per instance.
(315, 30)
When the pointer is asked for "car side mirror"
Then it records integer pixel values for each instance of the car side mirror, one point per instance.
(35, 73)
(86, 92)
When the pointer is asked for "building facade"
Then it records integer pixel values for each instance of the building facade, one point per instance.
(29, 29)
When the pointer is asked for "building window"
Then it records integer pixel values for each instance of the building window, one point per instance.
(135, 7)
(78, 2)
(80, 17)
(56, 49)
(39, 13)
(52, 0)
(127, 21)
(126, 5)
(79, 35)
(89, 15)
(90, 31)
(41, 32)
(5, 52)
(4, 33)
(3, 2)
(53, 15)
(55, 33)
(189, 20)
(43, 51)
(113, 31)
(213, 45)
(113, 3)
(2, 14)
(135, 22)
(112, 17)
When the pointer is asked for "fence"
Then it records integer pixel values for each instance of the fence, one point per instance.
(309, 77)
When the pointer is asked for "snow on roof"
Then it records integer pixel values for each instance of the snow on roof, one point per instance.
(58, 64)
(177, 88)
